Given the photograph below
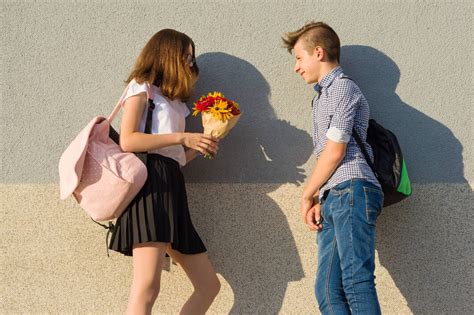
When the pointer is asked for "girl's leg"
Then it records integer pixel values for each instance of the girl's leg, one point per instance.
(203, 277)
(148, 261)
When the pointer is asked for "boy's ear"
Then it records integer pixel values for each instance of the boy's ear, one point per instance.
(319, 52)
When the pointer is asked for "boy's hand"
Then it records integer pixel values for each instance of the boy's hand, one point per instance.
(306, 204)
(313, 218)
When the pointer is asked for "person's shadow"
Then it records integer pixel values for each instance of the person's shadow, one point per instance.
(247, 234)
(423, 241)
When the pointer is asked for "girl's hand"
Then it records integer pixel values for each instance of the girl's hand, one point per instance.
(203, 143)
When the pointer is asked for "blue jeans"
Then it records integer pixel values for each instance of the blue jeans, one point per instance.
(346, 249)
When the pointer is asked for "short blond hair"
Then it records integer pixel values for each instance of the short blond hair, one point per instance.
(315, 34)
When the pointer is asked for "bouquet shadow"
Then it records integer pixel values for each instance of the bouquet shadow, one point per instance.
(246, 232)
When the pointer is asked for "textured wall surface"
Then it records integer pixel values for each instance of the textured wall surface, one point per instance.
(63, 62)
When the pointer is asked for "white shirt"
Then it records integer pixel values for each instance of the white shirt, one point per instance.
(169, 116)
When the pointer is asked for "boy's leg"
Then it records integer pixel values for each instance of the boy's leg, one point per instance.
(328, 287)
(354, 224)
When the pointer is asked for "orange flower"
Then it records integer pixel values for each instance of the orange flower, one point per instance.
(216, 103)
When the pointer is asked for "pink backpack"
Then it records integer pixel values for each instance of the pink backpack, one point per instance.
(102, 178)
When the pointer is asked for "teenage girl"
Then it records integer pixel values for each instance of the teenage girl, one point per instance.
(157, 221)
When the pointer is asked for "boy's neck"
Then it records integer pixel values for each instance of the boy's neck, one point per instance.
(326, 68)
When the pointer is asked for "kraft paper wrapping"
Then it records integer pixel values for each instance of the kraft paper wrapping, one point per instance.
(218, 128)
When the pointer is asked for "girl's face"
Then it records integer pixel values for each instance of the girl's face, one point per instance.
(189, 57)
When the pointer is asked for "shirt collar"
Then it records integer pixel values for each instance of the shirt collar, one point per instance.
(326, 81)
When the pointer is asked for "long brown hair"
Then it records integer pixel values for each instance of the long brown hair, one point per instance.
(162, 62)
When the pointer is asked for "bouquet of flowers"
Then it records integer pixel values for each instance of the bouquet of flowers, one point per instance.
(219, 115)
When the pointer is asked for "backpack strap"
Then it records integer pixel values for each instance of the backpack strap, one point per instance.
(359, 140)
(120, 101)
(109, 228)
(364, 151)
(143, 156)
(149, 115)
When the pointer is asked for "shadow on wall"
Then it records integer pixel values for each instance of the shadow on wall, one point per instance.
(261, 148)
(246, 232)
(424, 241)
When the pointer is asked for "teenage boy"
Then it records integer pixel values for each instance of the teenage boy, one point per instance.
(342, 198)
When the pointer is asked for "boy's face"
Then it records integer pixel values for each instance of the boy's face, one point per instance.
(307, 64)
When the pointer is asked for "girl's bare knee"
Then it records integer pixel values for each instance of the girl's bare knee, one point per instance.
(147, 293)
(146, 288)
(209, 289)
(153, 293)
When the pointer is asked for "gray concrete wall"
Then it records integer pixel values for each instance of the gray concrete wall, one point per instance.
(64, 62)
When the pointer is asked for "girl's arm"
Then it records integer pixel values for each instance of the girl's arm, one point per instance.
(131, 140)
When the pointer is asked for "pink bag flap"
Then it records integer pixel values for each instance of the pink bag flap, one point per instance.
(72, 160)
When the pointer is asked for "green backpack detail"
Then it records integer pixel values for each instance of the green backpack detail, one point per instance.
(389, 166)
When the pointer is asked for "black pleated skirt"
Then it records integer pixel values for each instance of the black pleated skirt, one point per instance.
(159, 213)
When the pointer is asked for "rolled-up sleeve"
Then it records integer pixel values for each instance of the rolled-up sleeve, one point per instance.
(342, 122)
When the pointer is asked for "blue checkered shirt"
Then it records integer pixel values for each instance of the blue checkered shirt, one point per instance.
(338, 107)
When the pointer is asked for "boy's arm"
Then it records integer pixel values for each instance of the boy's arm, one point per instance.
(338, 135)
(329, 159)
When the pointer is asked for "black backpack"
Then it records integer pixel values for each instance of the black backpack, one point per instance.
(389, 166)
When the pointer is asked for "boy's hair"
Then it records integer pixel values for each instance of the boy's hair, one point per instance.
(162, 62)
(315, 34)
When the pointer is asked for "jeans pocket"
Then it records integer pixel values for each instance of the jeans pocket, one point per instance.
(373, 204)
(323, 216)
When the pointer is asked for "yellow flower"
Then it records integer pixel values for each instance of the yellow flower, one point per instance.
(221, 105)
(219, 111)
(216, 94)
(216, 104)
